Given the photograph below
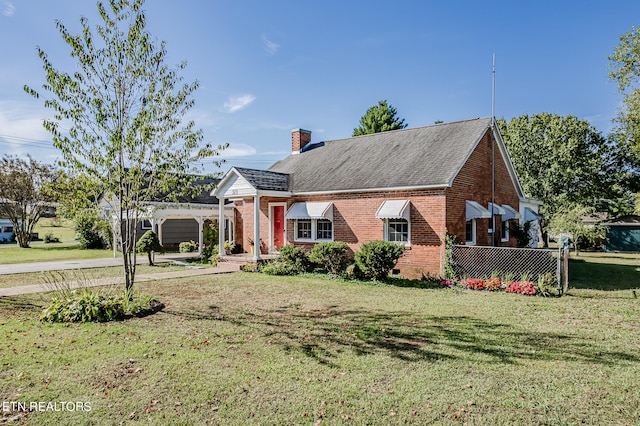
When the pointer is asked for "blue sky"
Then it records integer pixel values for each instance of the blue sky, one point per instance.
(267, 67)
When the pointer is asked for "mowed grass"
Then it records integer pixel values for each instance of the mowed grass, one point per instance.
(81, 275)
(604, 271)
(253, 349)
(68, 248)
(49, 253)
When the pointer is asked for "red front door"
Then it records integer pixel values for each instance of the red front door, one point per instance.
(278, 227)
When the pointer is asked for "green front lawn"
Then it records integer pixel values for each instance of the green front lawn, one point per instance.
(604, 271)
(48, 252)
(254, 349)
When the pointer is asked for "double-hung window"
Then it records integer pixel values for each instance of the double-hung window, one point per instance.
(397, 230)
(504, 231)
(395, 215)
(313, 221)
(303, 229)
(470, 232)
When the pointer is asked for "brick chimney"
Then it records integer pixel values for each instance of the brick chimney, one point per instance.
(299, 139)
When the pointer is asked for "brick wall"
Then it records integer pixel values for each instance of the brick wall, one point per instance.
(433, 213)
(474, 183)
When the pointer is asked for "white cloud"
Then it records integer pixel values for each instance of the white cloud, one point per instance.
(22, 121)
(239, 102)
(9, 9)
(236, 150)
(269, 46)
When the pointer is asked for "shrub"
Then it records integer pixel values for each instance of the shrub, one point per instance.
(187, 247)
(92, 232)
(85, 307)
(376, 258)
(278, 267)
(296, 258)
(331, 255)
(49, 238)
(89, 306)
(546, 284)
(149, 243)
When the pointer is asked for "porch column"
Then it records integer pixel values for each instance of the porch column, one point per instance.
(159, 223)
(221, 251)
(256, 227)
(200, 221)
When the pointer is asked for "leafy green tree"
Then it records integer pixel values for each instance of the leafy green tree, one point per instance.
(624, 69)
(562, 161)
(569, 221)
(27, 190)
(379, 118)
(149, 243)
(125, 108)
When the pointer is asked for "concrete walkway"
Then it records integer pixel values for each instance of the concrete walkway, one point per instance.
(223, 267)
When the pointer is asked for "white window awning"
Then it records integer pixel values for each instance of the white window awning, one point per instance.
(307, 210)
(530, 215)
(394, 209)
(475, 211)
(511, 213)
(496, 209)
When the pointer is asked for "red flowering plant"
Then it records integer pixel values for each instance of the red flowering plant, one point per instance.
(523, 287)
(474, 283)
(494, 284)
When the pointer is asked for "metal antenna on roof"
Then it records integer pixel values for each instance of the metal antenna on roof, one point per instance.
(493, 154)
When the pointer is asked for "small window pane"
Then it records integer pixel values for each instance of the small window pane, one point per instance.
(504, 232)
(304, 229)
(398, 231)
(324, 231)
(146, 224)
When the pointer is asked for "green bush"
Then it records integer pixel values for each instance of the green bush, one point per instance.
(332, 256)
(295, 257)
(187, 247)
(376, 258)
(148, 243)
(89, 306)
(92, 232)
(85, 307)
(50, 238)
(278, 267)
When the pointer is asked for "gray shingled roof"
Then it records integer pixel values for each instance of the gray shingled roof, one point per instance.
(202, 197)
(265, 180)
(410, 157)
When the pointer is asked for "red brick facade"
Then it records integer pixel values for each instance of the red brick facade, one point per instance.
(433, 213)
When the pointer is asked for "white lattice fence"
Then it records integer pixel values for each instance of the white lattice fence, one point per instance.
(481, 261)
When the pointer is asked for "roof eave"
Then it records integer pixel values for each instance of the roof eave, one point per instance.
(381, 189)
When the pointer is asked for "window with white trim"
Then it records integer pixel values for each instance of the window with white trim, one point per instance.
(396, 231)
(504, 232)
(470, 232)
(313, 230)
(324, 229)
(145, 224)
(303, 229)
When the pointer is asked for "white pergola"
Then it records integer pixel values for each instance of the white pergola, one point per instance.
(157, 213)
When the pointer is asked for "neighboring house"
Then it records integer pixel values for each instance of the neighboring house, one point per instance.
(182, 219)
(623, 234)
(410, 186)
(6, 231)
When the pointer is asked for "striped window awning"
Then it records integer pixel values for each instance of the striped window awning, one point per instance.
(311, 210)
(510, 213)
(475, 211)
(394, 209)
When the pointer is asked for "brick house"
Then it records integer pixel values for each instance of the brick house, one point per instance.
(410, 186)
